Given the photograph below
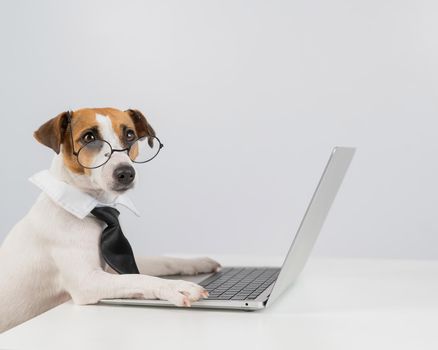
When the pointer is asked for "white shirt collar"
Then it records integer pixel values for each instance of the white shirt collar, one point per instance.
(78, 203)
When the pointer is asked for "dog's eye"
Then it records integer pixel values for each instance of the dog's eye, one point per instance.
(130, 135)
(88, 137)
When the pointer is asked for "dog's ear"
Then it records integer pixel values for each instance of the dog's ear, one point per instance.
(51, 134)
(142, 127)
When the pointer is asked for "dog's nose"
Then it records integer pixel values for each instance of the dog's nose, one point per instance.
(124, 175)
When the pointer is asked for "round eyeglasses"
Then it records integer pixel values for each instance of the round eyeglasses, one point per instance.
(98, 152)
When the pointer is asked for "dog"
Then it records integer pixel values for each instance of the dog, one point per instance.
(52, 254)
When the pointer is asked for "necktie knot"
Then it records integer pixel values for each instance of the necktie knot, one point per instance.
(108, 215)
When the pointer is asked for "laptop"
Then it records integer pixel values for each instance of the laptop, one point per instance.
(254, 288)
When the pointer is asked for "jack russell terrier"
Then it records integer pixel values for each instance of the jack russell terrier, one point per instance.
(55, 252)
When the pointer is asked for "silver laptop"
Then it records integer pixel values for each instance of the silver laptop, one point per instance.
(253, 288)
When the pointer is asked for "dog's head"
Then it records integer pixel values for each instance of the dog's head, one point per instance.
(68, 132)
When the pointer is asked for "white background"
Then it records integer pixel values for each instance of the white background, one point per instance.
(248, 97)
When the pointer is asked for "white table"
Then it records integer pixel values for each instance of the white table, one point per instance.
(336, 304)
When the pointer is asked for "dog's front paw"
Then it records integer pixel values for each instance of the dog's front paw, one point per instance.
(181, 293)
(198, 265)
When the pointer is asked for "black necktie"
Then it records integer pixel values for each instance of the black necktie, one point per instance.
(114, 246)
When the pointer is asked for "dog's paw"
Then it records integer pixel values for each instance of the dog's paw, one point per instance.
(198, 265)
(181, 293)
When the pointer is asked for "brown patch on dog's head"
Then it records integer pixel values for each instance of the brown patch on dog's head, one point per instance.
(57, 132)
(81, 121)
(120, 121)
(143, 128)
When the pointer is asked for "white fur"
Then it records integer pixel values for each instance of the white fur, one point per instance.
(107, 131)
(103, 176)
(51, 256)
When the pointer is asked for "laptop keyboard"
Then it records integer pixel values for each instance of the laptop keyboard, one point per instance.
(239, 283)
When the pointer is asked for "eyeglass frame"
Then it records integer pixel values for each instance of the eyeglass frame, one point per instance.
(128, 149)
